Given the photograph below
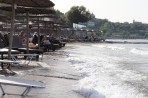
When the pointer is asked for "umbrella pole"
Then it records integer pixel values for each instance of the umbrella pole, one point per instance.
(38, 33)
(12, 32)
(27, 42)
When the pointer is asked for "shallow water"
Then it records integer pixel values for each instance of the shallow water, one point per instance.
(111, 70)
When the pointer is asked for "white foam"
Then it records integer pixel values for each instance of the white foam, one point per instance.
(139, 51)
(104, 78)
(113, 47)
(89, 93)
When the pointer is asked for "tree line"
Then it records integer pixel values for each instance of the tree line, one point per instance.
(123, 30)
(105, 28)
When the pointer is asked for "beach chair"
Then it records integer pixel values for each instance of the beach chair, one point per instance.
(28, 58)
(17, 42)
(17, 45)
(8, 62)
(32, 51)
(14, 81)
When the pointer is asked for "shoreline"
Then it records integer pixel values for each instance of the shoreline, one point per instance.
(126, 42)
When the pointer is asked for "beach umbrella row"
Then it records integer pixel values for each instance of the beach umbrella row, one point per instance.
(29, 3)
(30, 10)
(25, 3)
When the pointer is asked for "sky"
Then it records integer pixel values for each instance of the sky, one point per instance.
(113, 10)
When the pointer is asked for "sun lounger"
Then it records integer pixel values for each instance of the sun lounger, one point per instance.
(28, 57)
(8, 62)
(13, 81)
(32, 51)
(17, 45)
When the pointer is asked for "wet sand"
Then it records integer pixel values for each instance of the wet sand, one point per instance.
(53, 70)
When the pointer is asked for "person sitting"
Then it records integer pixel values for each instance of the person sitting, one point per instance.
(46, 43)
(35, 38)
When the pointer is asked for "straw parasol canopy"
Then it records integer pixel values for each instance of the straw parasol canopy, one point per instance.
(30, 10)
(40, 16)
(30, 3)
(4, 18)
(26, 3)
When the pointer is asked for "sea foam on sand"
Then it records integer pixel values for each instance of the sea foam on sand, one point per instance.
(89, 93)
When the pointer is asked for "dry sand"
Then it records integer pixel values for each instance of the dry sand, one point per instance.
(54, 71)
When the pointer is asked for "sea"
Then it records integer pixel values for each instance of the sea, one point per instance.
(111, 70)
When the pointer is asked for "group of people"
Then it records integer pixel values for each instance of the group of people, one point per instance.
(32, 38)
(35, 38)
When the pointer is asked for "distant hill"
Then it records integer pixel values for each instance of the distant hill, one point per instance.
(119, 30)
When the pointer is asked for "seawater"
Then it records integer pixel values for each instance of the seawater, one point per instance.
(111, 70)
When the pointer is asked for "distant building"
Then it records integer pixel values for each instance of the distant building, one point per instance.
(90, 24)
(93, 23)
(136, 22)
(78, 26)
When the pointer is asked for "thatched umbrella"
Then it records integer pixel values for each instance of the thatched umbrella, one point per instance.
(27, 3)
(30, 3)
(4, 18)
(30, 10)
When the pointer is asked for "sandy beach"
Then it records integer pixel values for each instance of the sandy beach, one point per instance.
(59, 77)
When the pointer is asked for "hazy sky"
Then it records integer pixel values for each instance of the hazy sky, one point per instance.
(113, 10)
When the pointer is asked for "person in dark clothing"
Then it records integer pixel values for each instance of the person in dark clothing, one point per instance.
(35, 38)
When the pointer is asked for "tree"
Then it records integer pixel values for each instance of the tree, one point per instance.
(107, 28)
(60, 16)
(78, 14)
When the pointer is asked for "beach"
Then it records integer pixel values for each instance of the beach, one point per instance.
(88, 70)
(58, 76)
